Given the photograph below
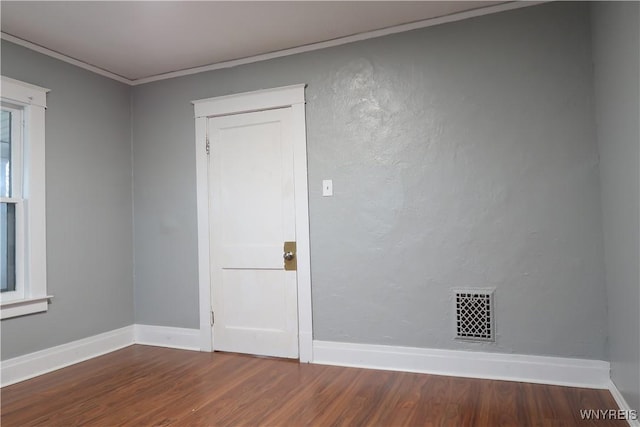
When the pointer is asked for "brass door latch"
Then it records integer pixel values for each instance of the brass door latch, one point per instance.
(290, 262)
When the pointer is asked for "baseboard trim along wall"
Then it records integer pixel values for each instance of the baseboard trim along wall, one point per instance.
(498, 366)
(31, 365)
(511, 367)
(623, 405)
(164, 336)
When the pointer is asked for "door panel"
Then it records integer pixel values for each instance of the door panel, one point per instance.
(251, 205)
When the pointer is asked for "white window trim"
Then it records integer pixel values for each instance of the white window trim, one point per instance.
(33, 99)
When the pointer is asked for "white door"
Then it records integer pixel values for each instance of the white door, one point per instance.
(252, 215)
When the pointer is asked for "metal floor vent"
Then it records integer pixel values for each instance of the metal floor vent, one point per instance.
(474, 314)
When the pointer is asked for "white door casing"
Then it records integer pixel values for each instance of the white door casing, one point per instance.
(215, 111)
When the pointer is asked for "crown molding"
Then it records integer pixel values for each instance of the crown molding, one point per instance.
(344, 40)
(503, 7)
(45, 51)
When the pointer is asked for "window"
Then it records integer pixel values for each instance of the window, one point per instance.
(23, 287)
(11, 193)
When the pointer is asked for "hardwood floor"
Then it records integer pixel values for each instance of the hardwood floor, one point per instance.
(151, 386)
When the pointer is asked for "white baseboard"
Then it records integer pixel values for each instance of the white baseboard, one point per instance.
(164, 336)
(534, 369)
(33, 364)
(622, 403)
(499, 366)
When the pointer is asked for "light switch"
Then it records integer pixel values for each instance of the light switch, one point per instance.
(327, 187)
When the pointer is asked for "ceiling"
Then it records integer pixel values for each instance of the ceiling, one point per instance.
(143, 39)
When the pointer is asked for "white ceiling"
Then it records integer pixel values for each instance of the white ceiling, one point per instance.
(142, 39)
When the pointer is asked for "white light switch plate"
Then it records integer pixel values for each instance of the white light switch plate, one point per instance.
(327, 187)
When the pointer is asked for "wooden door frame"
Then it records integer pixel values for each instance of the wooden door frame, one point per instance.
(288, 96)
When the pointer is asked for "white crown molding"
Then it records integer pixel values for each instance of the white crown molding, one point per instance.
(344, 40)
(470, 364)
(43, 50)
(503, 7)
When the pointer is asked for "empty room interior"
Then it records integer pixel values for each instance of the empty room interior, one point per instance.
(320, 213)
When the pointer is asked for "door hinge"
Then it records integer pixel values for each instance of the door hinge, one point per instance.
(212, 318)
(208, 146)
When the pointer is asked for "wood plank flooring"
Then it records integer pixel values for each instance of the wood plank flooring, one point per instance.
(152, 386)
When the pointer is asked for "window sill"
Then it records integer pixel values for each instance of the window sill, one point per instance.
(23, 307)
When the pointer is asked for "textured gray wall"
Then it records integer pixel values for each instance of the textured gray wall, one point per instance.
(616, 45)
(461, 155)
(89, 226)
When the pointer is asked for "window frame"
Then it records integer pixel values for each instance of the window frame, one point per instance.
(31, 260)
(15, 198)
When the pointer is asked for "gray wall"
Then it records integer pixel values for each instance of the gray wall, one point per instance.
(616, 43)
(89, 226)
(461, 155)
